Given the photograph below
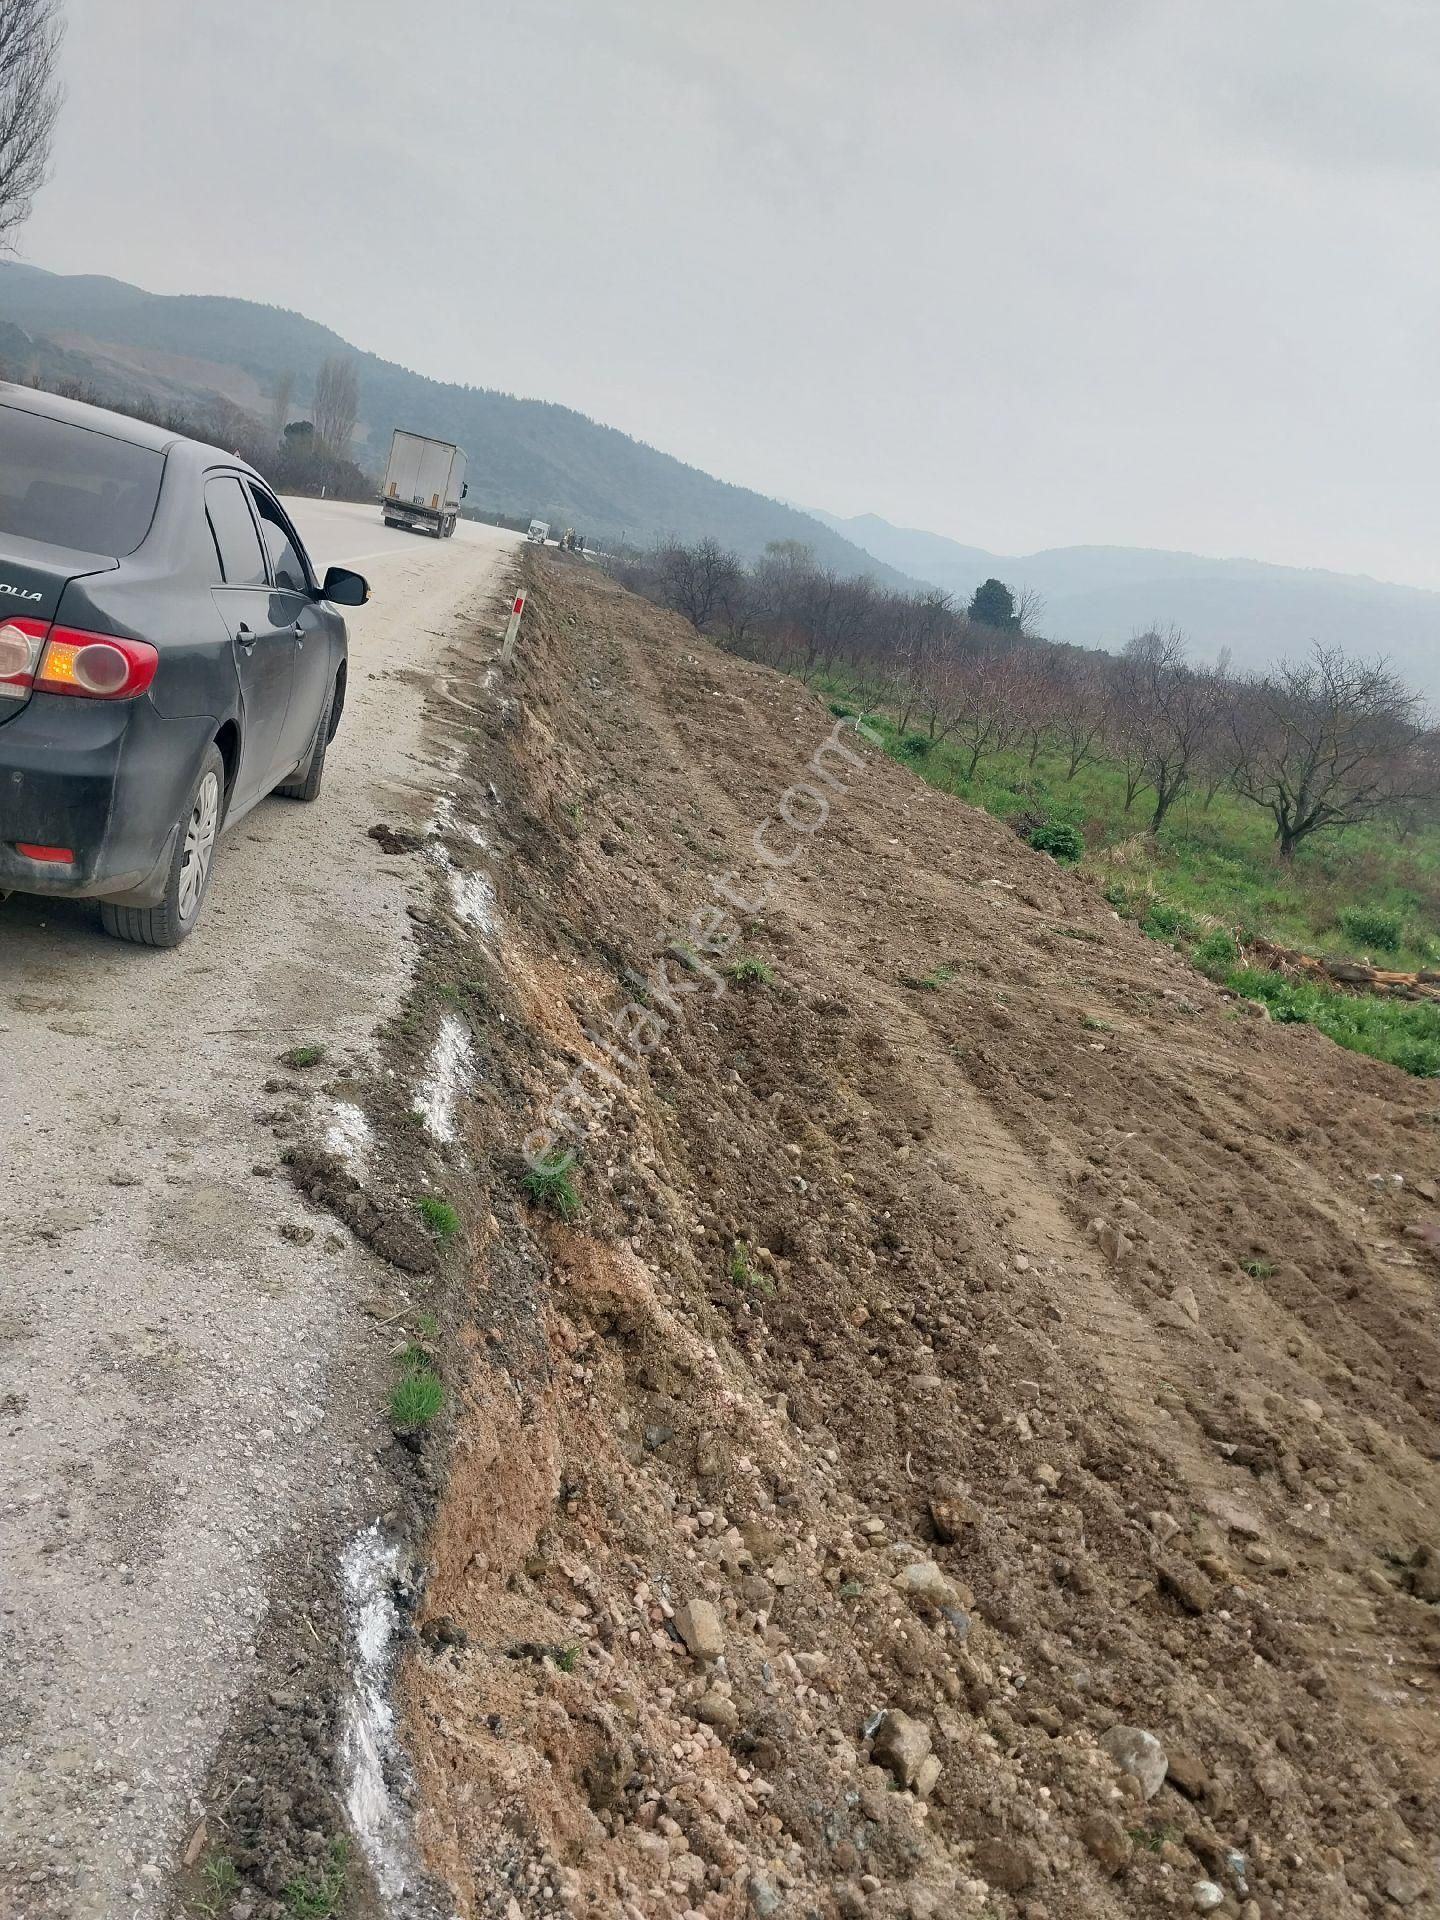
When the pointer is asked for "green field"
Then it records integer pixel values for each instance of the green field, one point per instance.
(1210, 883)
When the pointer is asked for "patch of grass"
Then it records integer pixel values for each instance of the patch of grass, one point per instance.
(1373, 929)
(576, 811)
(852, 1590)
(317, 1895)
(220, 1881)
(1216, 955)
(916, 746)
(1092, 1025)
(1062, 841)
(309, 1055)
(553, 1189)
(1406, 1033)
(841, 711)
(416, 1398)
(1090, 938)
(439, 1216)
(930, 982)
(567, 1658)
(428, 1326)
(742, 1273)
(1163, 921)
(1257, 1269)
(748, 971)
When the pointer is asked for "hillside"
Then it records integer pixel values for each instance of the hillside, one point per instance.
(525, 455)
(1099, 596)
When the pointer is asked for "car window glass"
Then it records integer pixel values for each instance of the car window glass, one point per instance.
(237, 544)
(70, 486)
(285, 561)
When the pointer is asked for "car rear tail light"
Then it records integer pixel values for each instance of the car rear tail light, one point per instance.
(95, 666)
(53, 856)
(20, 644)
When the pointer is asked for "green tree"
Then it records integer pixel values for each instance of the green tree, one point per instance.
(993, 605)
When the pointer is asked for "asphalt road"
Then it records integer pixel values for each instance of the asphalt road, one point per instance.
(166, 1412)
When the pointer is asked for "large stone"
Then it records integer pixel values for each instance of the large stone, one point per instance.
(1189, 1306)
(1232, 1512)
(1004, 1865)
(1139, 1753)
(1187, 1772)
(1406, 1883)
(901, 1745)
(950, 1515)
(1186, 1584)
(715, 1710)
(1107, 1842)
(701, 1628)
(764, 1900)
(923, 1581)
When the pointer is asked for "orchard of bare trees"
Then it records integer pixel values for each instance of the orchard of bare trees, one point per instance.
(1330, 741)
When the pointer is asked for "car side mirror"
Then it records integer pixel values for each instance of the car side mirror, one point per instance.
(345, 588)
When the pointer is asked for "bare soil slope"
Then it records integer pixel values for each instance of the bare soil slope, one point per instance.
(1077, 1367)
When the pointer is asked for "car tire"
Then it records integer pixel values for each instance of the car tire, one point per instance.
(191, 866)
(304, 783)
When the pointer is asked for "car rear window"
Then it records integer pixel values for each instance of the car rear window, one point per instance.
(72, 487)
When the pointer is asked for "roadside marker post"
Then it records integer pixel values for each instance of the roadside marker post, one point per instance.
(507, 652)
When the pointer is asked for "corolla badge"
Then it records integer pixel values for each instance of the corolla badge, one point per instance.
(19, 593)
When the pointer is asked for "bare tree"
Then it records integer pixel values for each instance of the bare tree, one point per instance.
(280, 398)
(336, 403)
(1030, 611)
(30, 96)
(1168, 714)
(1326, 743)
(1081, 712)
(972, 698)
(694, 579)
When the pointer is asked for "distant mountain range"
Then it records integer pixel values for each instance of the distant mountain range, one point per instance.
(1099, 596)
(525, 456)
(528, 456)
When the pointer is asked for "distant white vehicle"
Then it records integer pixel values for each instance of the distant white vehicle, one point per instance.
(424, 484)
(539, 532)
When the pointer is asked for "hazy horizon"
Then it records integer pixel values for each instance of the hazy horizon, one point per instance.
(1160, 277)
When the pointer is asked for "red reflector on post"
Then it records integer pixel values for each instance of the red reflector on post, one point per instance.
(519, 606)
(54, 856)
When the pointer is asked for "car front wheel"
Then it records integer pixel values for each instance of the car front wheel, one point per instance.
(191, 865)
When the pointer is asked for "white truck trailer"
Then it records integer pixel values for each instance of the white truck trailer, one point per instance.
(539, 532)
(424, 484)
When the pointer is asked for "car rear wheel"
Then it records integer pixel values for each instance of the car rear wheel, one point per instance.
(191, 866)
(304, 783)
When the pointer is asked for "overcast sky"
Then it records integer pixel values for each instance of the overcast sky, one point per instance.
(1026, 272)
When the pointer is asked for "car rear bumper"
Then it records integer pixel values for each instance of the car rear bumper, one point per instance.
(107, 781)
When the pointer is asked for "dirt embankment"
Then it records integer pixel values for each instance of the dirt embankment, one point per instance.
(978, 1336)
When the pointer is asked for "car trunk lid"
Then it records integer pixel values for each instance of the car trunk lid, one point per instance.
(33, 576)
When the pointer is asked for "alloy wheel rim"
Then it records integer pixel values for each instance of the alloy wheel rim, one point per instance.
(199, 846)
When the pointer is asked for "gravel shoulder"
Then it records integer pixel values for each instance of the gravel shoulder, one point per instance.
(170, 1309)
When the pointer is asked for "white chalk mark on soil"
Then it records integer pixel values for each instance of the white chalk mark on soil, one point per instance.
(450, 1062)
(368, 1746)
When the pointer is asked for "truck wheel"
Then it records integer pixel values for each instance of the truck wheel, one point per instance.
(304, 783)
(191, 866)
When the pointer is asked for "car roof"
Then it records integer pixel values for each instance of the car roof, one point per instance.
(119, 426)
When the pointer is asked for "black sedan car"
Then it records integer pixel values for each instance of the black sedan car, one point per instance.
(167, 658)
